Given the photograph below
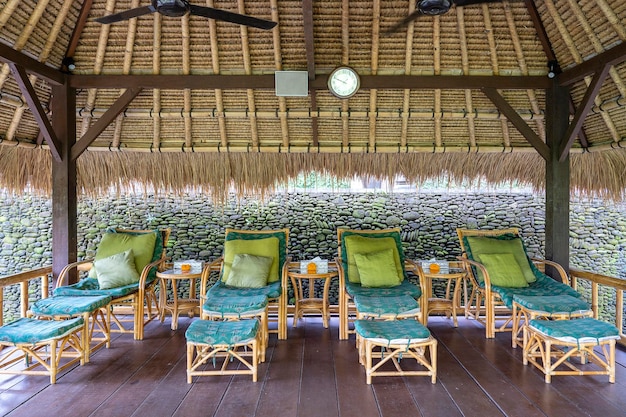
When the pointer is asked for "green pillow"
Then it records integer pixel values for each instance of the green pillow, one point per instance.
(117, 270)
(249, 271)
(503, 269)
(363, 245)
(480, 245)
(113, 243)
(267, 247)
(377, 269)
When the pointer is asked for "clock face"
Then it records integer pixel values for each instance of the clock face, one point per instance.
(343, 82)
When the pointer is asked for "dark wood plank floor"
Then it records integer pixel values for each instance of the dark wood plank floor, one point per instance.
(313, 374)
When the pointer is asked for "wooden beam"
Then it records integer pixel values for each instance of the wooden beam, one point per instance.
(242, 82)
(583, 109)
(517, 121)
(64, 200)
(9, 55)
(107, 118)
(309, 37)
(78, 28)
(582, 135)
(541, 30)
(36, 108)
(612, 56)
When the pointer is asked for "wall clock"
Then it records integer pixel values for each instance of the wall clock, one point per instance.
(344, 82)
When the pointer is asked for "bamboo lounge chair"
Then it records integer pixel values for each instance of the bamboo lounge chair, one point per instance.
(374, 249)
(129, 280)
(499, 268)
(250, 251)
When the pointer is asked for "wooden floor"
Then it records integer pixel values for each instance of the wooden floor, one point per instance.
(313, 374)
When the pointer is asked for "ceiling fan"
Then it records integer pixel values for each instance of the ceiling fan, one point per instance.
(178, 8)
(435, 8)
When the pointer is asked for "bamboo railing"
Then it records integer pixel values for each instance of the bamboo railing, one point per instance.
(23, 279)
(597, 281)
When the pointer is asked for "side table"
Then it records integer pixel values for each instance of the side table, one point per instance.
(454, 275)
(176, 305)
(307, 303)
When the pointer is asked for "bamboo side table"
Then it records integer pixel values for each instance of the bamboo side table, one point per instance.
(176, 305)
(455, 275)
(307, 303)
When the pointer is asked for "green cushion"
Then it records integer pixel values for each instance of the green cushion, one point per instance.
(393, 331)
(143, 246)
(228, 306)
(382, 306)
(503, 270)
(367, 244)
(478, 245)
(29, 330)
(117, 270)
(209, 332)
(377, 269)
(68, 305)
(267, 247)
(272, 290)
(576, 330)
(249, 271)
(548, 305)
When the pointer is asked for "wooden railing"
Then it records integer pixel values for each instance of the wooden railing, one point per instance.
(597, 281)
(23, 279)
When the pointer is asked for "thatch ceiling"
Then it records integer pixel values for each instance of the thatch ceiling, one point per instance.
(211, 119)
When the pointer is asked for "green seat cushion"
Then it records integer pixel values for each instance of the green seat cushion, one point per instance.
(584, 330)
(405, 288)
(142, 244)
(383, 306)
(503, 270)
(476, 246)
(353, 243)
(543, 286)
(548, 305)
(272, 290)
(234, 305)
(117, 270)
(29, 330)
(392, 331)
(266, 247)
(209, 332)
(68, 305)
(377, 269)
(90, 287)
(249, 271)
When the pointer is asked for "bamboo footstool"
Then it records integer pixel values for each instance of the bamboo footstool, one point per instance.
(41, 343)
(93, 310)
(394, 341)
(209, 340)
(567, 345)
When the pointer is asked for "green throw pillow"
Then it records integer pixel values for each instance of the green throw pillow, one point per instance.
(267, 247)
(480, 245)
(249, 271)
(503, 270)
(377, 269)
(117, 270)
(113, 243)
(363, 245)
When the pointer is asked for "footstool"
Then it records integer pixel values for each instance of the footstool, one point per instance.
(237, 308)
(91, 308)
(555, 307)
(393, 341)
(210, 340)
(556, 344)
(41, 343)
(386, 307)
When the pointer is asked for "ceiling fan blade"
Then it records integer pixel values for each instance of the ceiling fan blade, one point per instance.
(470, 2)
(404, 22)
(240, 19)
(125, 15)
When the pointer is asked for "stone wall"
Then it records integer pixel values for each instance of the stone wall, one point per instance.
(428, 221)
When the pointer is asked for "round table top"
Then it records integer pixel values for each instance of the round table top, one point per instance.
(177, 274)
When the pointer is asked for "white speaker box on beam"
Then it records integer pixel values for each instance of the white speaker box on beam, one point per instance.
(291, 83)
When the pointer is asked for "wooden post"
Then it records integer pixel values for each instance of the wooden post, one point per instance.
(557, 178)
(64, 240)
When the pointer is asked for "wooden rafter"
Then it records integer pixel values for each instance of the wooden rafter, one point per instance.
(613, 56)
(36, 108)
(309, 47)
(78, 28)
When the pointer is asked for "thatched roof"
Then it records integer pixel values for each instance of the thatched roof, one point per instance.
(198, 130)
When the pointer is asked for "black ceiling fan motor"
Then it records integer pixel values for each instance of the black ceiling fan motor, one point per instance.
(434, 7)
(171, 8)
